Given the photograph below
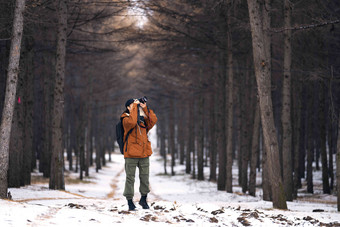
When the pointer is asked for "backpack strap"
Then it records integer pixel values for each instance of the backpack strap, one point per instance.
(127, 135)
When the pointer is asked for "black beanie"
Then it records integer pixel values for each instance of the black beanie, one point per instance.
(128, 102)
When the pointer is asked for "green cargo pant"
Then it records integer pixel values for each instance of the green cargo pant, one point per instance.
(130, 170)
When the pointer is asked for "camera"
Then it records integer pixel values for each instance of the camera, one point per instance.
(143, 100)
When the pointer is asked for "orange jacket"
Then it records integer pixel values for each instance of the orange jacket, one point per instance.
(138, 144)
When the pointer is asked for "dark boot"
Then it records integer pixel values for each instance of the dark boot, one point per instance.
(143, 202)
(131, 205)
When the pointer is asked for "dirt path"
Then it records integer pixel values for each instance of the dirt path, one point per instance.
(51, 212)
(117, 181)
(114, 184)
(156, 197)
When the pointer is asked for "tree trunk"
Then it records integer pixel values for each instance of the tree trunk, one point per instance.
(82, 152)
(263, 77)
(331, 133)
(266, 185)
(171, 138)
(10, 95)
(212, 139)
(28, 115)
(310, 141)
(238, 106)
(194, 135)
(96, 148)
(247, 114)
(230, 105)
(297, 135)
(69, 147)
(81, 135)
(330, 150)
(162, 141)
(303, 132)
(88, 140)
(16, 139)
(45, 155)
(102, 139)
(338, 163)
(16, 172)
(57, 162)
(317, 145)
(200, 138)
(191, 137)
(322, 125)
(181, 136)
(206, 142)
(286, 106)
(254, 151)
(241, 129)
(111, 148)
(220, 132)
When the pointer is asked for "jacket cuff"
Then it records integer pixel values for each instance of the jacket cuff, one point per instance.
(146, 110)
(135, 109)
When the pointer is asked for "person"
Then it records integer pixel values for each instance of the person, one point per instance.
(138, 119)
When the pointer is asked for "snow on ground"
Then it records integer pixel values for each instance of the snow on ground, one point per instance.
(175, 201)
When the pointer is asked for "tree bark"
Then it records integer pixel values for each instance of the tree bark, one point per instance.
(238, 106)
(16, 172)
(16, 139)
(45, 155)
(111, 148)
(10, 95)
(212, 139)
(330, 154)
(96, 148)
(81, 151)
(338, 163)
(246, 114)
(220, 132)
(57, 162)
(181, 136)
(162, 141)
(297, 135)
(103, 152)
(200, 138)
(310, 141)
(88, 139)
(69, 147)
(191, 137)
(230, 105)
(263, 78)
(266, 185)
(322, 126)
(171, 139)
(332, 136)
(28, 128)
(254, 151)
(303, 132)
(81, 133)
(286, 106)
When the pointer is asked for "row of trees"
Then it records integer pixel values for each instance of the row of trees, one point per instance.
(255, 82)
(63, 97)
(284, 121)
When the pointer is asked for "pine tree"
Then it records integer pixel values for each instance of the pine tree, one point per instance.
(259, 25)
(10, 96)
(57, 162)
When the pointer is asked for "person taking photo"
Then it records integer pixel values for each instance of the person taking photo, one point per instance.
(137, 121)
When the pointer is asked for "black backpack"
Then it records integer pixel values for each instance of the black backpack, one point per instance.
(120, 135)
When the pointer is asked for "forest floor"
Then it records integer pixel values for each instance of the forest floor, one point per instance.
(174, 200)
